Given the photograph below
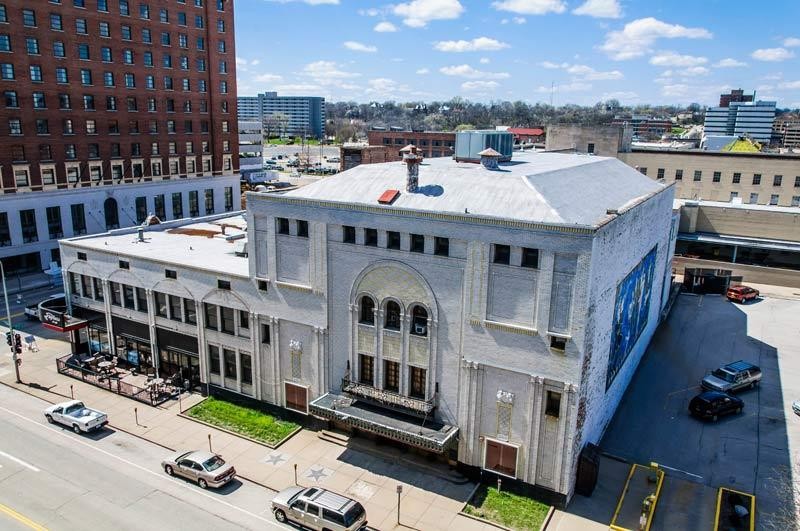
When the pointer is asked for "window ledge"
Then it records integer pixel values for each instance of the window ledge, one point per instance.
(296, 287)
(508, 327)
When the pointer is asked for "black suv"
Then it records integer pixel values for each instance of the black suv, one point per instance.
(712, 404)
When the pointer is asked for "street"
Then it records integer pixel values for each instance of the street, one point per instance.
(52, 478)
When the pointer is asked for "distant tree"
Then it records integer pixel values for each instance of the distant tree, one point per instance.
(464, 127)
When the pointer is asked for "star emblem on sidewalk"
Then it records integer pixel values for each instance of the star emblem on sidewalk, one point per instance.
(275, 459)
(317, 475)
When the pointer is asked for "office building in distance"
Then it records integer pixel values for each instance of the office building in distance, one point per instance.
(285, 116)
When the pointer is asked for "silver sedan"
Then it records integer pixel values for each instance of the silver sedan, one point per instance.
(204, 468)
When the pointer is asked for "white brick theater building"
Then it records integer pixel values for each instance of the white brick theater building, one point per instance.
(493, 314)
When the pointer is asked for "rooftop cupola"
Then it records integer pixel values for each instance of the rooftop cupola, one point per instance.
(490, 158)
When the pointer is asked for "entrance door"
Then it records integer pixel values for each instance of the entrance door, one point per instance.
(182, 364)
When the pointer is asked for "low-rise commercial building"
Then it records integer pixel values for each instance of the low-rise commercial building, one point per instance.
(490, 315)
(430, 144)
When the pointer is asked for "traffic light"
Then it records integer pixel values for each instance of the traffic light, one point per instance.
(8, 338)
(18, 341)
(18, 349)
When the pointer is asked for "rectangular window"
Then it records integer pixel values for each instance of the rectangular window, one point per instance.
(737, 178)
(643, 170)
(392, 240)
(229, 200)
(698, 175)
(777, 180)
(5, 230)
(302, 228)
(190, 311)
(224, 284)
(230, 362)
(141, 209)
(296, 397)
(161, 304)
(366, 369)
(78, 219)
(29, 18)
(753, 198)
(678, 175)
(553, 404)
(441, 246)
(717, 177)
(175, 308)
(756, 179)
(500, 458)
(227, 322)
(247, 367)
(502, 254)
(797, 182)
(27, 219)
(391, 376)
(54, 223)
(6, 71)
(530, 258)
(177, 205)
(371, 237)
(211, 316)
(194, 204)
(213, 358)
(159, 208)
(210, 201)
(127, 297)
(417, 379)
(417, 243)
(774, 199)
(283, 225)
(265, 334)
(116, 293)
(98, 289)
(141, 300)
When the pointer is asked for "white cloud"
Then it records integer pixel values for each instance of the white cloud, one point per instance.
(600, 9)
(792, 85)
(240, 61)
(773, 55)
(589, 73)
(268, 78)
(329, 73)
(531, 7)
(515, 20)
(418, 13)
(575, 86)
(385, 88)
(620, 95)
(480, 44)
(471, 73)
(479, 86)
(255, 62)
(791, 42)
(728, 63)
(484, 61)
(674, 59)
(583, 72)
(371, 12)
(637, 37)
(297, 88)
(385, 27)
(423, 71)
(309, 2)
(675, 91)
(694, 71)
(359, 47)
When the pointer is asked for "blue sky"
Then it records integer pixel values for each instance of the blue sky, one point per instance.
(645, 51)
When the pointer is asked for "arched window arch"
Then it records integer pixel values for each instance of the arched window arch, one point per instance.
(366, 310)
(392, 319)
(111, 213)
(419, 321)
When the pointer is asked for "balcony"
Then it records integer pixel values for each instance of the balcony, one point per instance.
(389, 399)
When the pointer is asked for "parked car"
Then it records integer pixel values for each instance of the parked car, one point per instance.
(74, 414)
(796, 407)
(742, 294)
(333, 159)
(732, 377)
(32, 312)
(204, 468)
(712, 404)
(318, 509)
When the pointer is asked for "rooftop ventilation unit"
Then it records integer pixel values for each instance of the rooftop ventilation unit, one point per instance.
(469, 144)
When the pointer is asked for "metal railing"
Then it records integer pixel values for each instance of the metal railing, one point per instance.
(388, 398)
(71, 366)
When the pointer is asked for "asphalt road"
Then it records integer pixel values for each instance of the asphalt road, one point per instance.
(55, 479)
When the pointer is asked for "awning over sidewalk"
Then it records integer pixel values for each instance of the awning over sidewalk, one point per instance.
(426, 434)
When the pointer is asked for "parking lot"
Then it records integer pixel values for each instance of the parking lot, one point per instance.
(744, 452)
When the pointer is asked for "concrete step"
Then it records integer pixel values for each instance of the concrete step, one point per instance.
(337, 438)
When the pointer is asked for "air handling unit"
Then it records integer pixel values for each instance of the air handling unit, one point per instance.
(470, 143)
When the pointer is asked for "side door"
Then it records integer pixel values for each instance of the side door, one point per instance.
(58, 415)
(185, 468)
(312, 519)
(297, 511)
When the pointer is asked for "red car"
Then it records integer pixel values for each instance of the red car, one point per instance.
(741, 294)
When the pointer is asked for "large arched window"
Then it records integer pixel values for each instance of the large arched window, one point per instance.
(419, 321)
(112, 213)
(392, 320)
(366, 311)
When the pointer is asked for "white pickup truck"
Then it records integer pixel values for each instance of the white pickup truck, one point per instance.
(77, 416)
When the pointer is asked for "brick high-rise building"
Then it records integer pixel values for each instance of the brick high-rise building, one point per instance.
(111, 110)
(735, 96)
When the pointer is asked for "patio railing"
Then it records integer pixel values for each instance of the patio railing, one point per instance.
(71, 366)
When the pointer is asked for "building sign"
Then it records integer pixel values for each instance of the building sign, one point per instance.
(58, 320)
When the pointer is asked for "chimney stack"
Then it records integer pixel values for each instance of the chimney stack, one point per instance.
(140, 234)
(412, 160)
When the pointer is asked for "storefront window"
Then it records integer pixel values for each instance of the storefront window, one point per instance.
(98, 341)
(135, 351)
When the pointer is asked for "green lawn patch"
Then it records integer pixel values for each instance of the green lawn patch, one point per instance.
(243, 420)
(507, 509)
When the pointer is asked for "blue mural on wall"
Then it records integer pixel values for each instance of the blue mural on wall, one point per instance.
(631, 311)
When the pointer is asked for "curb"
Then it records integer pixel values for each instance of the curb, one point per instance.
(485, 521)
(547, 518)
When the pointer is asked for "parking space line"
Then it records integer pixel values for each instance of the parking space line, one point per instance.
(19, 461)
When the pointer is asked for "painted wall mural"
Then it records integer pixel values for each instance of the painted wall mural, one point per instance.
(631, 311)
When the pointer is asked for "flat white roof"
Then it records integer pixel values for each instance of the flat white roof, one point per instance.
(738, 206)
(550, 188)
(197, 243)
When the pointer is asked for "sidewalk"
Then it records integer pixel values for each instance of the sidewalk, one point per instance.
(361, 469)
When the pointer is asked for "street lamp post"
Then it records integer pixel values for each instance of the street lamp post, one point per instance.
(14, 357)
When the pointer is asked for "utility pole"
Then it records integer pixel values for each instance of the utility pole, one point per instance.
(14, 358)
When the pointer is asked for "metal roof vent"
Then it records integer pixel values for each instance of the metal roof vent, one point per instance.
(412, 160)
(388, 197)
(490, 158)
